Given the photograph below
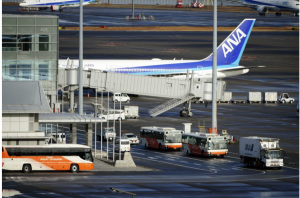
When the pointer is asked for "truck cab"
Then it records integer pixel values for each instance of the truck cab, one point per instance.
(123, 97)
(108, 134)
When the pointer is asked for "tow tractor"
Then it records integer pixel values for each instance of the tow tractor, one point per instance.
(285, 98)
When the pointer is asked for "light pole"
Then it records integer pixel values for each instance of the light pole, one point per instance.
(214, 75)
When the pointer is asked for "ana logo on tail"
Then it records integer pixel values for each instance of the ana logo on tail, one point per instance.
(237, 39)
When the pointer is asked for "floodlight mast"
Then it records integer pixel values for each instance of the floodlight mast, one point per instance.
(214, 80)
(80, 80)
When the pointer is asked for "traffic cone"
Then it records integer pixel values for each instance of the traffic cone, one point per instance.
(88, 95)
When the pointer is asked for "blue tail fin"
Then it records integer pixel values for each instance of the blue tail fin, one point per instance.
(230, 51)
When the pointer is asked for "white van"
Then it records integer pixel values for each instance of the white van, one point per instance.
(112, 115)
(59, 138)
(123, 97)
(125, 145)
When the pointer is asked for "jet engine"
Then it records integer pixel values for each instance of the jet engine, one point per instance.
(55, 7)
(262, 10)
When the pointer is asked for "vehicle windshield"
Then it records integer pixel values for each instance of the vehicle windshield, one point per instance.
(217, 144)
(124, 142)
(89, 156)
(274, 154)
(173, 137)
(110, 130)
(131, 136)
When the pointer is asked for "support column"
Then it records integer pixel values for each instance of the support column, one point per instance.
(73, 133)
(71, 109)
(89, 135)
(52, 101)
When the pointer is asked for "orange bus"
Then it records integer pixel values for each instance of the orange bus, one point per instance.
(204, 144)
(73, 157)
(161, 137)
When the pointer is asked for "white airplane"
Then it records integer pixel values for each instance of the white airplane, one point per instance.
(52, 4)
(263, 6)
(229, 54)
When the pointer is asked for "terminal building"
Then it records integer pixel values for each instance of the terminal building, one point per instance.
(30, 51)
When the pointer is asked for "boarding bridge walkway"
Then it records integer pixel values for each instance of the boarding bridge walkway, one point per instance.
(179, 90)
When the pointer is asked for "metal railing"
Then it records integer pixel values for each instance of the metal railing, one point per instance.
(170, 104)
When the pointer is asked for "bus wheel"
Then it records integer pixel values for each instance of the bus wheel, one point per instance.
(26, 168)
(74, 168)
(202, 153)
(159, 147)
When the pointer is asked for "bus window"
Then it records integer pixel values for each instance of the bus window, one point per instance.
(44, 152)
(61, 151)
(28, 152)
(13, 151)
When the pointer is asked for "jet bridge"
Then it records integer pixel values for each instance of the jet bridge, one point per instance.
(179, 91)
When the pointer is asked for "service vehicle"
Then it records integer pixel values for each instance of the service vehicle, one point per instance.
(285, 98)
(108, 133)
(112, 115)
(125, 145)
(131, 112)
(261, 152)
(160, 137)
(72, 157)
(133, 139)
(204, 144)
(55, 138)
(123, 97)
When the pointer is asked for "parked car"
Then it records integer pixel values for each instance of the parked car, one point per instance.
(123, 97)
(131, 137)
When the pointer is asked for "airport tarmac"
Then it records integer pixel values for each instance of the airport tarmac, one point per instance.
(115, 17)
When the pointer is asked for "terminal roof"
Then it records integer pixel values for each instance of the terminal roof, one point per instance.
(24, 97)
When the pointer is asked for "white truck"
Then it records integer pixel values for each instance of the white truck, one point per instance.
(131, 112)
(123, 97)
(285, 98)
(108, 133)
(261, 152)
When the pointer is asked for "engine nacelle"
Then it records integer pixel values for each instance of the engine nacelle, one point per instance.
(55, 7)
(262, 10)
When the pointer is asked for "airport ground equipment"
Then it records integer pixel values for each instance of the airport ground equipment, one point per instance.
(261, 152)
(227, 96)
(179, 4)
(270, 97)
(285, 98)
(254, 97)
(131, 112)
(229, 138)
(238, 101)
